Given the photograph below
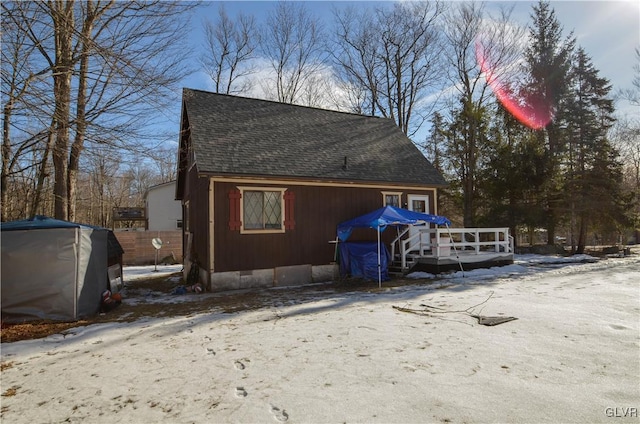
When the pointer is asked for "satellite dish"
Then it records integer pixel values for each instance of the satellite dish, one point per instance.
(157, 244)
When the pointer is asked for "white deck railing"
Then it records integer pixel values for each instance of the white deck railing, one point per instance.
(443, 242)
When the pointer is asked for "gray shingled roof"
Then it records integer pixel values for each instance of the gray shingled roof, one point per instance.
(236, 135)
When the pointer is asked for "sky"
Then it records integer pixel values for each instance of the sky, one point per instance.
(321, 355)
(609, 32)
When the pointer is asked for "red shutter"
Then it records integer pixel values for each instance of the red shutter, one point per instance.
(289, 217)
(234, 210)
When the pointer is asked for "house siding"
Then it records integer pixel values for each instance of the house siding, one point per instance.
(196, 190)
(163, 211)
(329, 166)
(318, 210)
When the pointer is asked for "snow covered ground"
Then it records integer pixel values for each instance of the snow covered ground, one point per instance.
(132, 273)
(572, 355)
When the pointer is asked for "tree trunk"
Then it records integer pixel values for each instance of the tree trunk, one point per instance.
(551, 229)
(60, 160)
(101, 196)
(469, 203)
(62, 13)
(552, 174)
(532, 235)
(582, 235)
(472, 134)
(513, 226)
(6, 153)
(81, 105)
(42, 173)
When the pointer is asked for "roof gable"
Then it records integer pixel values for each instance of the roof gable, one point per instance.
(233, 135)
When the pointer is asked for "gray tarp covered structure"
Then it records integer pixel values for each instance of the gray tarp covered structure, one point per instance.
(52, 269)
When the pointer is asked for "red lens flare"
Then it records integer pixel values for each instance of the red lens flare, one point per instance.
(529, 109)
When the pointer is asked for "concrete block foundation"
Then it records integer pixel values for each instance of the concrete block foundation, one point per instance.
(296, 275)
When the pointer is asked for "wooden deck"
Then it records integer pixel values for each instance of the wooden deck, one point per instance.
(437, 250)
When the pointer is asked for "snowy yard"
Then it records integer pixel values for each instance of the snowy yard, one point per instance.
(572, 355)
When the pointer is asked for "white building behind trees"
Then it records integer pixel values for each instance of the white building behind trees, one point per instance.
(164, 213)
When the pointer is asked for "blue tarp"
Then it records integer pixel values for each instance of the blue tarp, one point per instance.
(379, 219)
(360, 259)
(388, 215)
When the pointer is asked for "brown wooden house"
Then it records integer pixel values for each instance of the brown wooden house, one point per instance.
(263, 186)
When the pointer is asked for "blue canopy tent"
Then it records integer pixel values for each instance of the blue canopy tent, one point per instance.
(381, 218)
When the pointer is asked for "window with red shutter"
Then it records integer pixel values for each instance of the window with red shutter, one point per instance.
(255, 210)
(234, 210)
(289, 216)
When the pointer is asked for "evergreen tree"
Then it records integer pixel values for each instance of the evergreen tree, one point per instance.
(548, 65)
(469, 29)
(593, 173)
(434, 143)
(435, 149)
(511, 180)
(466, 141)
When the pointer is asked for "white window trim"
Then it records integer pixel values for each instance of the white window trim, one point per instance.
(282, 211)
(391, 193)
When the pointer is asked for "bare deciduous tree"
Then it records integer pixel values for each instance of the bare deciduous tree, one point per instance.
(632, 95)
(230, 47)
(355, 53)
(292, 44)
(101, 185)
(392, 55)
(23, 93)
(626, 136)
(112, 65)
(165, 162)
(468, 27)
(62, 19)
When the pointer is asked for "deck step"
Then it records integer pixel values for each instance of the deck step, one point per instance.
(395, 267)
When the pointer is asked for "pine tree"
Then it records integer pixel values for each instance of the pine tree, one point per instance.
(511, 180)
(548, 64)
(435, 149)
(593, 173)
(434, 143)
(466, 141)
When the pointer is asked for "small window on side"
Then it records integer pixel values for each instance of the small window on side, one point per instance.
(391, 199)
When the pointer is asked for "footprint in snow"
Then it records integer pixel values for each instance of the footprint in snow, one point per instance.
(239, 365)
(279, 414)
(241, 392)
(210, 351)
